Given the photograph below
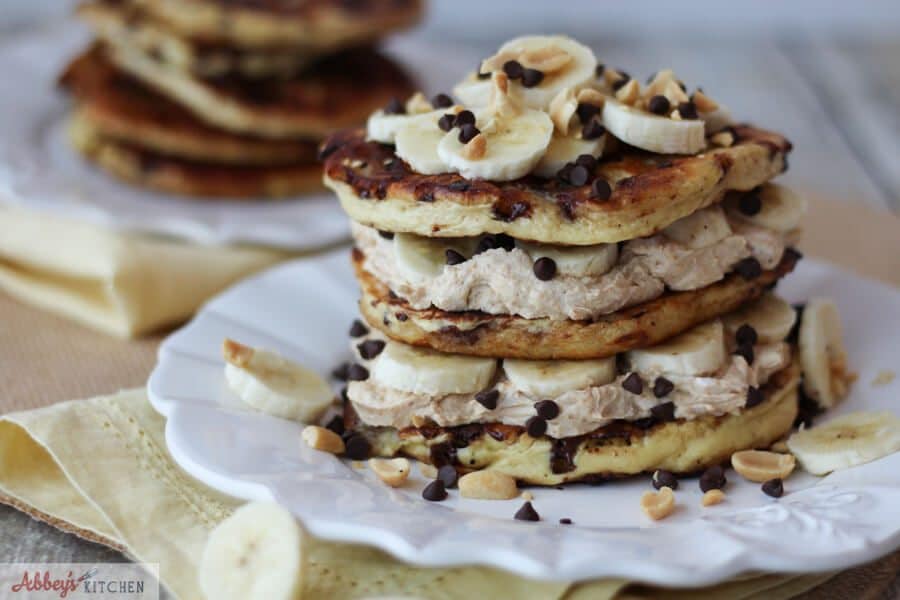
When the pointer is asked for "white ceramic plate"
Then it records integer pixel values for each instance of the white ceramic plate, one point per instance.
(303, 310)
(39, 171)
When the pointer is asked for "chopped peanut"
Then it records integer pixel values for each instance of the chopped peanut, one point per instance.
(418, 104)
(236, 353)
(629, 93)
(712, 497)
(723, 139)
(392, 471)
(658, 505)
(703, 102)
(488, 485)
(322, 439)
(561, 109)
(428, 471)
(476, 148)
(760, 466)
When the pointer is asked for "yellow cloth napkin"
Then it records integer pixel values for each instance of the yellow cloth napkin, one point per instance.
(100, 468)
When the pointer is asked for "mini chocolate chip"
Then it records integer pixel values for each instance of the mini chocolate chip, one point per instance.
(658, 105)
(448, 476)
(547, 409)
(336, 424)
(600, 190)
(532, 77)
(513, 69)
(536, 427)
(662, 387)
(563, 173)
(442, 101)
(453, 257)
(488, 399)
(544, 268)
(750, 203)
(358, 329)
(357, 372)
(435, 491)
(369, 349)
(662, 478)
(467, 132)
(745, 350)
(565, 521)
(578, 175)
(620, 82)
(746, 334)
(388, 235)
(774, 488)
(340, 371)
(447, 122)
(598, 70)
(504, 241)
(464, 117)
(395, 107)
(664, 412)
(587, 161)
(754, 397)
(402, 317)
(486, 243)
(527, 513)
(592, 130)
(713, 479)
(356, 447)
(748, 268)
(687, 110)
(633, 383)
(586, 111)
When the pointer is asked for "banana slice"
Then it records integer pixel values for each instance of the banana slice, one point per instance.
(847, 441)
(565, 149)
(698, 351)
(822, 354)
(417, 139)
(423, 371)
(652, 132)
(770, 316)
(780, 210)
(274, 385)
(585, 261)
(420, 258)
(383, 127)
(700, 229)
(550, 378)
(255, 553)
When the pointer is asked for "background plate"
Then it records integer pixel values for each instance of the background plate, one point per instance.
(303, 310)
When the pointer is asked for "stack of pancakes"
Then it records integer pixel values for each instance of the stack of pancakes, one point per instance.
(228, 99)
(552, 301)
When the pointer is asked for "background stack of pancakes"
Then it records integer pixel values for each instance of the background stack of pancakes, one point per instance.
(228, 99)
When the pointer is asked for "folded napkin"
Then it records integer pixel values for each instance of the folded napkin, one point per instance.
(99, 468)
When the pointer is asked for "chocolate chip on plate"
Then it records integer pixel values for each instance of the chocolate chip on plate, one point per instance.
(748, 268)
(356, 372)
(774, 488)
(687, 110)
(750, 203)
(356, 447)
(633, 383)
(394, 107)
(662, 387)
(745, 350)
(664, 412)
(544, 268)
(513, 69)
(488, 399)
(532, 78)
(592, 130)
(442, 101)
(565, 521)
(527, 513)
(746, 334)
(369, 349)
(435, 491)
(662, 478)
(547, 409)
(600, 190)
(453, 257)
(713, 479)
(658, 105)
(447, 122)
(754, 397)
(467, 132)
(340, 371)
(448, 476)
(536, 427)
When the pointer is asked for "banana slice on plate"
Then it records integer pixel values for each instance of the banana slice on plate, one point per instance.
(585, 261)
(698, 351)
(770, 316)
(564, 149)
(420, 258)
(383, 124)
(823, 357)
(423, 371)
(257, 552)
(656, 133)
(269, 383)
(780, 208)
(847, 441)
(550, 378)
(417, 140)
(700, 229)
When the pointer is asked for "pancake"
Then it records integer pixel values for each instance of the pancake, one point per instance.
(116, 22)
(121, 108)
(335, 92)
(507, 336)
(178, 176)
(617, 450)
(322, 25)
(650, 191)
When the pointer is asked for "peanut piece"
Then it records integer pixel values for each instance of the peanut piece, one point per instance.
(476, 148)
(548, 59)
(590, 96)
(561, 109)
(418, 104)
(392, 471)
(780, 446)
(658, 505)
(236, 353)
(629, 93)
(703, 102)
(674, 93)
(322, 439)
(428, 471)
(527, 496)
(761, 466)
(723, 139)
(712, 497)
(488, 485)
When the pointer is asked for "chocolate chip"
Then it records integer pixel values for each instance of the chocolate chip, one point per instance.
(662, 478)
(748, 268)
(774, 488)
(586, 111)
(513, 69)
(598, 70)
(504, 241)
(340, 371)
(357, 373)
(395, 107)
(402, 317)
(447, 122)
(600, 190)
(565, 521)
(563, 173)
(442, 101)
(536, 427)
(369, 349)
(687, 110)
(358, 329)
(532, 77)
(448, 476)
(435, 491)
(662, 387)
(356, 447)
(527, 513)
(750, 203)
(754, 397)
(633, 383)
(745, 350)
(544, 268)
(620, 82)
(467, 132)
(664, 412)
(547, 409)
(713, 479)
(592, 130)
(486, 243)
(336, 424)
(453, 257)
(488, 399)
(465, 117)
(587, 161)
(578, 175)
(388, 235)
(658, 105)
(746, 334)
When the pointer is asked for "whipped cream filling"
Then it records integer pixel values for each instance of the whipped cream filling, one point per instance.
(503, 282)
(581, 411)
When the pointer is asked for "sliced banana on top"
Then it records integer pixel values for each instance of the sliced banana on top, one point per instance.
(823, 357)
(780, 208)
(423, 371)
(416, 141)
(698, 351)
(420, 258)
(255, 553)
(700, 229)
(564, 149)
(550, 378)
(655, 133)
(770, 316)
(583, 261)
(847, 441)
(274, 385)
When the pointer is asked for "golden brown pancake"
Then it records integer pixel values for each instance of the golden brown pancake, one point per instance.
(511, 336)
(650, 191)
(616, 450)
